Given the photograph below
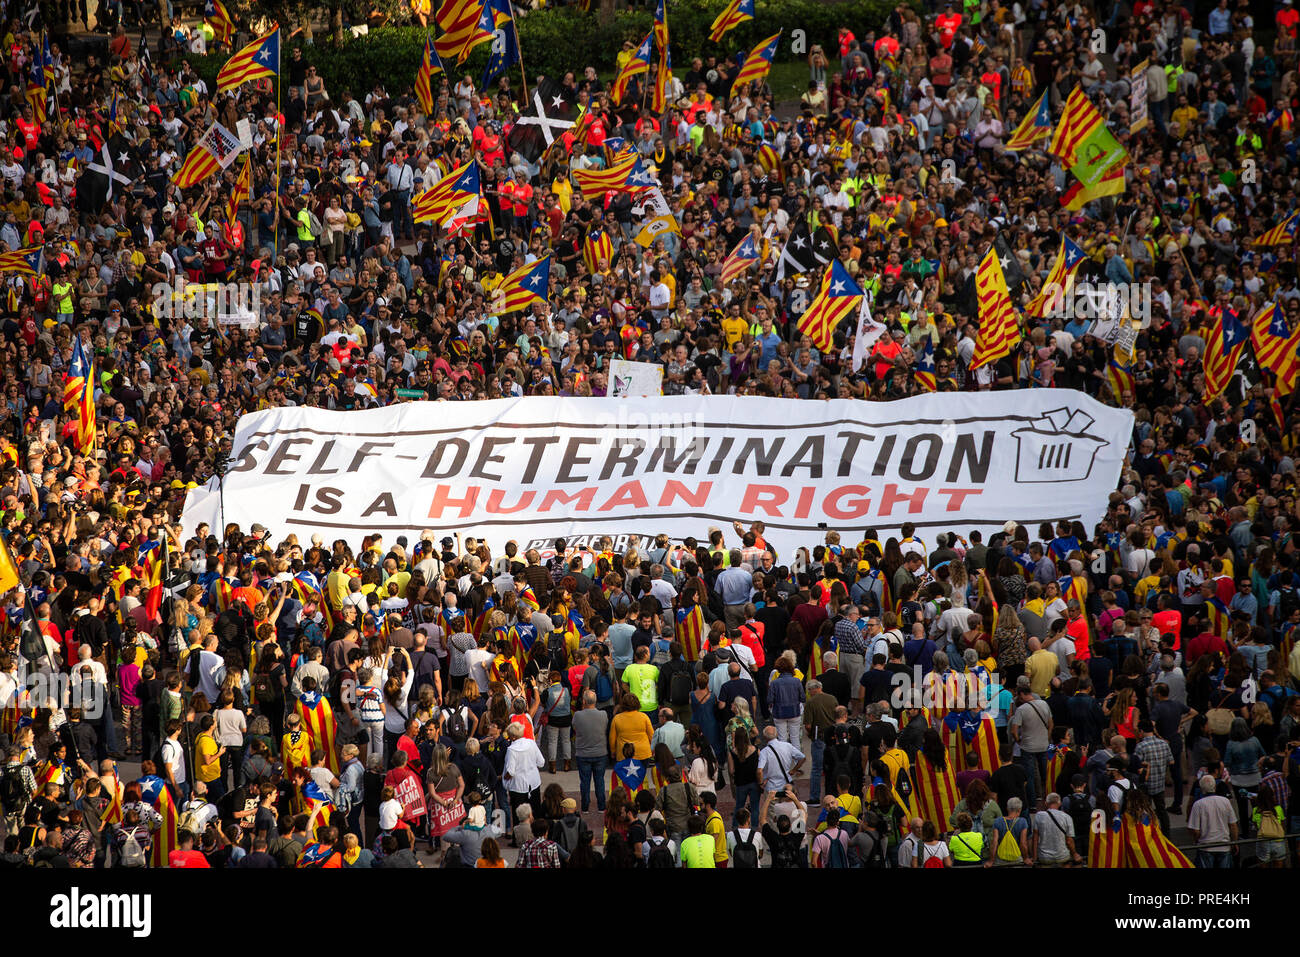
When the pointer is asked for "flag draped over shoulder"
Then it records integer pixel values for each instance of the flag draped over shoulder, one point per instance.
(689, 631)
(936, 796)
(924, 372)
(257, 61)
(596, 248)
(522, 638)
(318, 720)
(968, 732)
(1105, 849)
(153, 791)
(838, 297)
(151, 564)
(998, 329)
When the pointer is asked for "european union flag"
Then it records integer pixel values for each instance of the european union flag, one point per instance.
(505, 41)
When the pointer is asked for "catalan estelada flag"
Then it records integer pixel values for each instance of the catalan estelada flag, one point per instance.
(1277, 346)
(1119, 374)
(153, 791)
(1055, 766)
(1059, 281)
(464, 25)
(689, 630)
(8, 570)
(1145, 846)
(838, 297)
(23, 262)
(998, 330)
(523, 287)
(1283, 232)
(318, 719)
(1218, 617)
(596, 248)
(318, 806)
(659, 96)
(757, 65)
(151, 563)
(447, 196)
(522, 639)
(258, 60)
(79, 396)
(1078, 122)
(528, 598)
(637, 64)
(627, 174)
(739, 260)
(1224, 343)
(968, 732)
(242, 190)
(1036, 125)
(770, 160)
(628, 775)
(936, 795)
(1105, 849)
(733, 15)
(218, 18)
(429, 65)
(924, 371)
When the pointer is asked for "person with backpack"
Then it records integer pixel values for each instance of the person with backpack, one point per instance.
(322, 852)
(17, 788)
(661, 851)
(931, 850)
(556, 719)
(569, 829)
(830, 848)
(744, 843)
(1011, 835)
(676, 682)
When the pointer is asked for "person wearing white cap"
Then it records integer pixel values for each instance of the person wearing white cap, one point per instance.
(471, 834)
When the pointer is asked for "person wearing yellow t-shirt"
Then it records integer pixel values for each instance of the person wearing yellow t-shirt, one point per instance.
(207, 759)
(714, 827)
(734, 327)
(699, 849)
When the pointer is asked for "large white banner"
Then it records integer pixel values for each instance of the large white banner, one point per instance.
(534, 469)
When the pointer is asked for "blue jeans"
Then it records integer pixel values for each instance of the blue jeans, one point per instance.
(590, 769)
(1221, 860)
(748, 793)
(815, 776)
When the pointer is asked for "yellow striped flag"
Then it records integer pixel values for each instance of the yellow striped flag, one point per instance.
(24, 262)
(1283, 232)
(258, 60)
(1119, 374)
(659, 93)
(619, 177)
(1277, 347)
(1059, 280)
(8, 570)
(999, 331)
(1223, 347)
(523, 287)
(1036, 125)
(1145, 846)
(596, 248)
(733, 15)
(838, 297)
(318, 721)
(757, 64)
(429, 65)
(448, 196)
(740, 259)
(1079, 121)
(464, 25)
(79, 396)
(242, 190)
(198, 166)
(690, 631)
(636, 65)
(218, 18)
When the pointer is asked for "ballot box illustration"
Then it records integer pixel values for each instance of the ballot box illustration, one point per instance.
(1056, 447)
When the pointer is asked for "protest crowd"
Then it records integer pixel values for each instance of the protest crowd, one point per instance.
(238, 697)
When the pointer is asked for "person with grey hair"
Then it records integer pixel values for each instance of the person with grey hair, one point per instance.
(1212, 822)
(591, 749)
(523, 765)
(778, 764)
(734, 585)
(1052, 844)
(1011, 835)
(851, 643)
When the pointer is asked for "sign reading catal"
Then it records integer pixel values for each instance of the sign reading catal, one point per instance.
(535, 469)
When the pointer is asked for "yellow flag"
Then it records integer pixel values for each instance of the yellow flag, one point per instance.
(8, 571)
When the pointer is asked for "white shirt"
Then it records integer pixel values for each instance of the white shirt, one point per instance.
(744, 833)
(524, 761)
(478, 660)
(205, 813)
(174, 756)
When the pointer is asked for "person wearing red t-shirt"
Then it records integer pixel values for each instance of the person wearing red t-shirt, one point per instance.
(1077, 628)
(214, 252)
(947, 24)
(30, 129)
(1287, 18)
(185, 855)
(1204, 643)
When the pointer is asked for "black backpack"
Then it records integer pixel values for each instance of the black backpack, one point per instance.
(660, 856)
(13, 796)
(1080, 810)
(679, 687)
(744, 854)
(785, 851)
(456, 727)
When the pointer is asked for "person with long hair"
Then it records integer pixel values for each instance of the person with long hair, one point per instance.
(935, 782)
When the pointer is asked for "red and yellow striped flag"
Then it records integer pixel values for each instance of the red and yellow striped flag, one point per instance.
(936, 796)
(689, 631)
(1145, 846)
(528, 284)
(318, 720)
(596, 248)
(79, 396)
(429, 65)
(258, 60)
(198, 166)
(999, 331)
(1277, 346)
(838, 297)
(637, 64)
(757, 65)
(1079, 121)
(462, 24)
(733, 15)
(1223, 347)
(242, 190)
(218, 18)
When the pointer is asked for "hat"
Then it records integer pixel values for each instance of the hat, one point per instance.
(557, 621)
(448, 541)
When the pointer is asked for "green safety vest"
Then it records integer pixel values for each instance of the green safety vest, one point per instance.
(967, 846)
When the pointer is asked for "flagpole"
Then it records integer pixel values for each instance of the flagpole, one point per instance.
(523, 74)
(279, 133)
